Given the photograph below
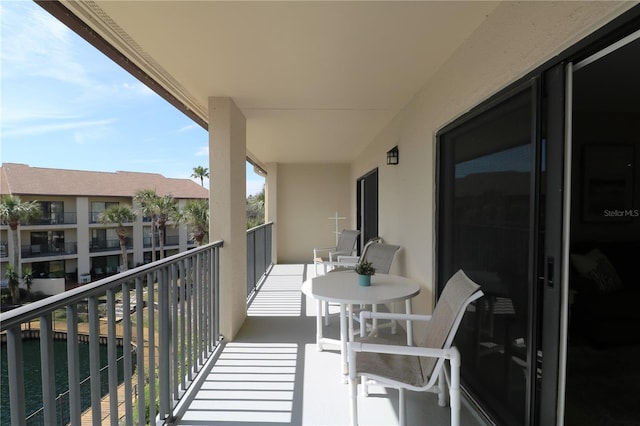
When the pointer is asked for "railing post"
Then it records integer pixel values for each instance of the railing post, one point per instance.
(140, 367)
(164, 332)
(215, 271)
(47, 366)
(73, 361)
(152, 344)
(112, 356)
(16, 375)
(94, 360)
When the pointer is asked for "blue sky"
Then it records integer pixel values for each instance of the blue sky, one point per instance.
(66, 105)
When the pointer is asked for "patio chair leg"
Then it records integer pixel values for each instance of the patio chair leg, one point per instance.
(442, 389)
(319, 335)
(402, 408)
(454, 389)
(353, 393)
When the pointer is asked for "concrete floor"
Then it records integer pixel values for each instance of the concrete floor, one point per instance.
(273, 374)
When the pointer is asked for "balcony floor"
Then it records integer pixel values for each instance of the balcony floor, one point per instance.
(273, 374)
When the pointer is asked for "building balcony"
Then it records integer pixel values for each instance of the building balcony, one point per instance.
(67, 218)
(108, 245)
(169, 240)
(47, 250)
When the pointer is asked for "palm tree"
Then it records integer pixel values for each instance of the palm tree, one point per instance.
(200, 172)
(119, 215)
(13, 281)
(27, 279)
(166, 208)
(196, 216)
(13, 211)
(147, 200)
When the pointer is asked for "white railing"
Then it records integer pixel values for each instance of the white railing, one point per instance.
(165, 315)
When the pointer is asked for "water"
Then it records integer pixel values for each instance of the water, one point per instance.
(33, 379)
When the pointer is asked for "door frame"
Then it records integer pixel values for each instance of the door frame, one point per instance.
(367, 224)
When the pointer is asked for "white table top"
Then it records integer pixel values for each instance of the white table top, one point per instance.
(342, 287)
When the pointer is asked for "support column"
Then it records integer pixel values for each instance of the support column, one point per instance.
(227, 206)
(271, 207)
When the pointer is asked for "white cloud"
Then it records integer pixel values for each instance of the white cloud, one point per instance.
(56, 127)
(203, 152)
(187, 128)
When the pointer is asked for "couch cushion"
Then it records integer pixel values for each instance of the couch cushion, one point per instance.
(595, 266)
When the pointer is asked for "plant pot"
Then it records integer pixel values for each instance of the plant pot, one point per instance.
(364, 280)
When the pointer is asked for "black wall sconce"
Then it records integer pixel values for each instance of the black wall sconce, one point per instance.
(393, 156)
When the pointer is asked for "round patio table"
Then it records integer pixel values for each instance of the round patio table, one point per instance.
(343, 288)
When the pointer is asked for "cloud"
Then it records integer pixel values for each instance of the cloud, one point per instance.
(56, 127)
(203, 152)
(36, 44)
(187, 128)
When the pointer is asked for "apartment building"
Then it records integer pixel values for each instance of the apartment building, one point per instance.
(68, 242)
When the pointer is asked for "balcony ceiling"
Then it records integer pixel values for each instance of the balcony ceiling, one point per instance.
(316, 81)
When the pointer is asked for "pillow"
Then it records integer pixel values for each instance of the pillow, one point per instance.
(596, 267)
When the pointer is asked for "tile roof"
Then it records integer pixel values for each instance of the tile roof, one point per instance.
(21, 179)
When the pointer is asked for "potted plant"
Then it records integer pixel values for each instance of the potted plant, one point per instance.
(365, 270)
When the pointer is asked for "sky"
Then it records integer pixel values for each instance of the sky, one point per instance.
(65, 105)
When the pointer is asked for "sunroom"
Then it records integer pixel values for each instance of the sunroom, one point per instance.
(482, 103)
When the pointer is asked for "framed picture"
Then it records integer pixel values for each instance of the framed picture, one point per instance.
(607, 172)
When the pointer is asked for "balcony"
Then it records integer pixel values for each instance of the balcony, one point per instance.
(66, 218)
(46, 250)
(271, 373)
(98, 245)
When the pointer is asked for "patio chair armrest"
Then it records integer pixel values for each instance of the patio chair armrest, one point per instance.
(348, 259)
(333, 254)
(320, 249)
(402, 350)
(364, 315)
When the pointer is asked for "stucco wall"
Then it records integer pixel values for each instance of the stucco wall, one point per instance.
(308, 194)
(514, 39)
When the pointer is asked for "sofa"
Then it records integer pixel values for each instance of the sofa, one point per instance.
(605, 289)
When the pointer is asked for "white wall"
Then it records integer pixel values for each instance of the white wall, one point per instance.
(308, 194)
(515, 39)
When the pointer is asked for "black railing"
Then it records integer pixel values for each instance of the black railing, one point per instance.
(94, 217)
(38, 250)
(66, 218)
(258, 255)
(108, 245)
(168, 309)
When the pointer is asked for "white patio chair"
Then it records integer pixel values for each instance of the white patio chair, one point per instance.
(422, 367)
(380, 255)
(346, 246)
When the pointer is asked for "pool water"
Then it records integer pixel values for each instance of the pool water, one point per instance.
(33, 379)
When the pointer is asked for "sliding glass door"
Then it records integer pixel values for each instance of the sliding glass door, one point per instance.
(492, 210)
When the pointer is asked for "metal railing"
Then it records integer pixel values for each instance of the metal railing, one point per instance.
(108, 245)
(66, 218)
(37, 250)
(168, 309)
(258, 254)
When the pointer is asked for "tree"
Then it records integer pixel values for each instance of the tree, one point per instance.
(13, 211)
(166, 208)
(27, 278)
(147, 200)
(119, 215)
(13, 282)
(200, 172)
(255, 210)
(196, 216)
